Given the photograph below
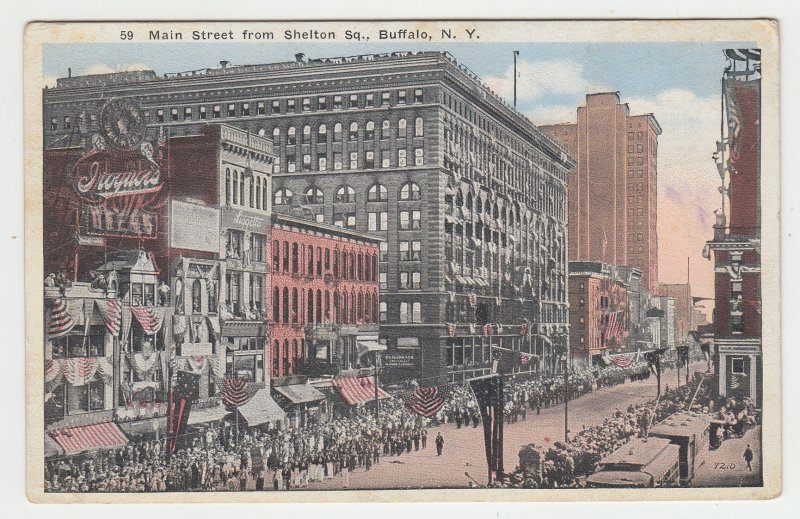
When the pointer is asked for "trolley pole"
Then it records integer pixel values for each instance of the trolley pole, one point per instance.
(377, 401)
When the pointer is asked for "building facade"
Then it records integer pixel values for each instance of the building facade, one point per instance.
(598, 312)
(613, 191)
(467, 196)
(736, 245)
(681, 293)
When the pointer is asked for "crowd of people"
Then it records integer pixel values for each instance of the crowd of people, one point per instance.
(565, 464)
(283, 459)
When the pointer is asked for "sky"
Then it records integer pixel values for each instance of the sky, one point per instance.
(677, 82)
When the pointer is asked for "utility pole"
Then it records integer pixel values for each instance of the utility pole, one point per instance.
(377, 401)
(567, 366)
(516, 53)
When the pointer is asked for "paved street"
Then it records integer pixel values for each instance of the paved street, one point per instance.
(725, 467)
(464, 450)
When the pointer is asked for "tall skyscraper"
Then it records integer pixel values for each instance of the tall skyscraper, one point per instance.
(612, 193)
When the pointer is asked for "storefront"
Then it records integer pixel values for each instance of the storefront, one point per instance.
(303, 403)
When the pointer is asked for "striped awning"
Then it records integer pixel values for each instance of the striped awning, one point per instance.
(104, 435)
(357, 390)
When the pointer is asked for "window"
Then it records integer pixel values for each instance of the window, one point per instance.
(384, 311)
(345, 219)
(290, 105)
(337, 132)
(353, 103)
(418, 127)
(231, 110)
(401, 158)
(353, 133)
(314, 196)
(256, 292)
(322, 103)
(187, 113)
(283, 197)
(377, 193)
(306, 134)
(384, 251)
(738, 366)
(261, 108)
(215, 112)
(416, 250)
(410, 220)
(291, 136)
(386, 98)
(159, 118)
(369, 132)
(345, 194)
(630, 136)
(369, 100)
(386, 129)
(337, 160)
(306, 104)
(353, 160)
(418, 95)
(369, 159)
(404, 312)
(416, 312)
(291, 163)
(233, 280)
(382, 281)
(401, 129)
(257, 243)
(418, 158)
(245, 108)
(377, 221)
(410, 191)
(386, 158)
(203, 114)
(234, 247)
(337, 102)
(401, 97)
(276, 107)
(322, 163)
(405, 250)
(322, 134)
(53, 124)
(630, 148)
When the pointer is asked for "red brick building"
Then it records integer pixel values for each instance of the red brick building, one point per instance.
(324, 296)
(612, 202)
(598, 311)
(736, 245)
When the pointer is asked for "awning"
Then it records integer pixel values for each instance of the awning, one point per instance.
(461, 280)
(369, 346)
(104, 435)
(357, 390)
(261, 409)
(147, 426)
(208, 414)
(300, 393)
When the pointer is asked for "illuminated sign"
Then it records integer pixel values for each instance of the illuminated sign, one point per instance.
(102, 220)
(107, 176)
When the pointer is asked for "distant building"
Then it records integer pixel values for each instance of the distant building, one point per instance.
(681, 293)
(668, 339)
(598, 311)
(612, 192)
(737, 232)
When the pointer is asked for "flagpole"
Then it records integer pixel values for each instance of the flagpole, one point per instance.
(516, 52)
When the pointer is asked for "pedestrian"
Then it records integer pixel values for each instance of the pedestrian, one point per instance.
(748, 457)
(439, 444)
(424, 438)
(260, 479)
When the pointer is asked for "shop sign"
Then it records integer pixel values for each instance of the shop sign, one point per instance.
(101, 220)
(245, 221)
(398, 359)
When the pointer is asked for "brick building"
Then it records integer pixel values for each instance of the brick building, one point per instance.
(613, 191)
(598, 312)
(736, 245)
(681, 293)
(467, 195)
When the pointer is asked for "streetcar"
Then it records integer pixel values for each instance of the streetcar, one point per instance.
(691, 432)
(640, 463)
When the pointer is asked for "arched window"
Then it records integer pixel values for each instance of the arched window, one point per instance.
(235, 179)
(345, 317)
(337, 316)
(263, 197)
(353, 135)
(345, 194)
(337, 132)
(319, 261)
(285, 358)
(367, 307)
(352, 306)
(295, 258)
(252, 191)
(410, 191)
(478, 204)
(228, 197)
(310, 261)
(386, 129)
(258, 193)
(240, 176)
(352, 265)
(295, 306)
(314, 196)
(369, 132)
(276, 304)
(285, 306)
(418, 127)
(310, 307)
(377, 193)
(283, 197)
(306, 134)
(344, 265)
(322, 134)
(469, 201)
(318, 315)
(276, 136)
(360, 313)
(401, 129)
(327, 306)
(336, 264)
(197, 297)
(459, 198)
(360, 270)
(276, 358)
(291, 136)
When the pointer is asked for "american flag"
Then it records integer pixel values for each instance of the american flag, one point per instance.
(111, 311)
(426, 401)
(148, 318)
(186, 389)
(60, 322)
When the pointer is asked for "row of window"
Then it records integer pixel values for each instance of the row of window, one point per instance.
(321, 132)
(250, 250)
(234, 303)
(245, 189)
(345, 194)
(310, 261)
(367, 161)
(305, 306)
(287, 359)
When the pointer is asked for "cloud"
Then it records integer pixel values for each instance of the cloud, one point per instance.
(103, 68)
(536, 79)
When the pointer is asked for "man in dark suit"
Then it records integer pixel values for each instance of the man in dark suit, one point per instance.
(439, 444)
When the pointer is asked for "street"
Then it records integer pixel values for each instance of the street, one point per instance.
(464, 448)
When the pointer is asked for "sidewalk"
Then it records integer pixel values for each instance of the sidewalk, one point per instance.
(725, 467)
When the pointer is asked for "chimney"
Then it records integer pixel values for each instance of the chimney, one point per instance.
(69, 72)
(299, 57)
(224, 64)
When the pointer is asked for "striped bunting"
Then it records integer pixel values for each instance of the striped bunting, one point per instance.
(148, 317)
(237, 391)
(357, 390)
(622, 360)
(111, 311)
(105, 435)
(60, 322)
(426, 401)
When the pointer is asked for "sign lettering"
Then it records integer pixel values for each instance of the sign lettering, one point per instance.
(106, 221)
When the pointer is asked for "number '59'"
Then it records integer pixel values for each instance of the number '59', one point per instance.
(125, 35)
